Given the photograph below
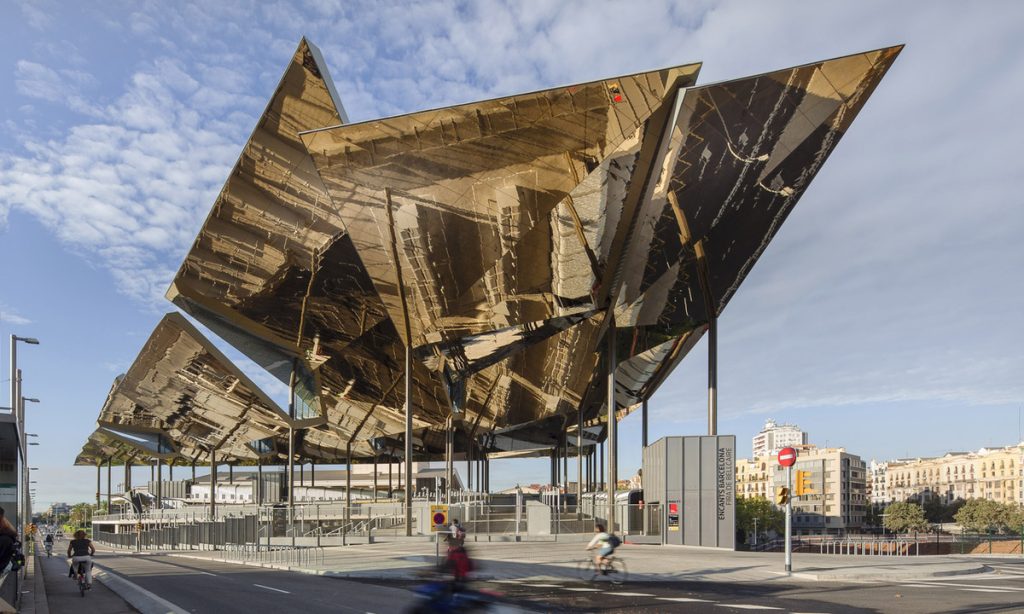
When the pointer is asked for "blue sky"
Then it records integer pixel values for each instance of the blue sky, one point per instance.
(885, 317)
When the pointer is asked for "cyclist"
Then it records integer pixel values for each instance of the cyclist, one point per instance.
(48, 542)
(81, 551)
(603, 542)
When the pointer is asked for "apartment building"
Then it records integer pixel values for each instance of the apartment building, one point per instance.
(839, 480)
(773, 437)
(996, 474)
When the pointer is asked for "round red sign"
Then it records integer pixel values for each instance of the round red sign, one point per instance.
(787, 457)
(439, 518)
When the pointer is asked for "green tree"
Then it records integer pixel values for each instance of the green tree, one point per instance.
(769, 517)
(937, 510)
(981, 516)
(903, 516)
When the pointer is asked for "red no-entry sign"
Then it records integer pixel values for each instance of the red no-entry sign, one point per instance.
(787, 457)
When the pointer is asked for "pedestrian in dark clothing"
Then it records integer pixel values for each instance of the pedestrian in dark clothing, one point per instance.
(8, 539)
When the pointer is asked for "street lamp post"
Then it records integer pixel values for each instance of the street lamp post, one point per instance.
(18, 410)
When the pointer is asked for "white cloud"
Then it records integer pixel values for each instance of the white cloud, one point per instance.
(11, 316)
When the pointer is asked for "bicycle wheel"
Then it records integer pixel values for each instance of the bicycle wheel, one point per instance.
(585, 570)
(617, 572)
(81, 585)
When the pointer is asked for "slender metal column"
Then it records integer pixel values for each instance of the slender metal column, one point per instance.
(487, 474)
(170, 471)
(600, 466)
(231, 473)
(99, 471)
(259, 482)
(374, 475)
(469, 464)
(127, 477)
(565, 458)
(643, 415)
(391, 467)
(450, 461)
(554, 467)
(613, 426)
(348, 479)
(291, 467)
(713, 375)
(302, 474)
(110, 470)
(159, 484)
(213, 484)
(193, 470)
(579, 462)
(152, 471)
(408, 440)
(312, 473)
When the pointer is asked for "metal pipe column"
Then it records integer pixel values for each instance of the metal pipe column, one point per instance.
(579, 462)
(374, 475)
(713, 375)
(99, 473)
(259, 482)
(643, 424)
(613, 426)
(408, 441)
(110, 470)
(213, 484)
(159, 484)
(312, 473)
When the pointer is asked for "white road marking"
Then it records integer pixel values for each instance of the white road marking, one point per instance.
(744, 606)
(583, 590)
(544, 585)
(1005, 588)
(271, 588)
(986, 590)
(206, 573)
(684, 599)
(623, 594)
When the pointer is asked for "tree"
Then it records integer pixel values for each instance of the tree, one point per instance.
(769, 517)
(902, 517)
(981, 516)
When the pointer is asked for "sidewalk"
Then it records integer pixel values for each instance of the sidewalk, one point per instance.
(557, 561)
(62, 592)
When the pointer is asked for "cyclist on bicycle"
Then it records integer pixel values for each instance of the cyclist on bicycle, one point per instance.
(603, 542)
(48, 542)
(81, 552)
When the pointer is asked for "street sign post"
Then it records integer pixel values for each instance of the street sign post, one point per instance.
(438, 525)
(787, 458)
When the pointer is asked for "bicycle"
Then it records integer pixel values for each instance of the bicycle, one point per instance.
(613, 569)
(80, 578)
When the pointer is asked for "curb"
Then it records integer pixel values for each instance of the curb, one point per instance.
(888, 577)
(138, 597)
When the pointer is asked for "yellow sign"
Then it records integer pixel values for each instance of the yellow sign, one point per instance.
(438, 518)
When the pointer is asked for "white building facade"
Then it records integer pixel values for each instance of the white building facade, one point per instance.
(773, 437)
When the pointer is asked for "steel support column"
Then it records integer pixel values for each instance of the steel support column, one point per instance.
(110, 470)
(712, 375)
(312, 474)
(643, 424)
(127, 476)
(159, 483)
(374, 475)
(408, 440)
(579, 462)
(613, 425)
(193, 470)
(213, 484)
(259, 482)
(99, 473)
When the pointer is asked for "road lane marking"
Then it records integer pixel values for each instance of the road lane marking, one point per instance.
(744, 606)
(986, 590)
(206, 573)
(271, 588)
(1005, 588)
(544, 585)
(684, 599)
(583, 590)
(617, 594)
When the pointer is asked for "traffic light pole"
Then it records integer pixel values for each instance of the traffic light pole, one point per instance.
(789, 520)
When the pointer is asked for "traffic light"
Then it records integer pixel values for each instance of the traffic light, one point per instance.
(781, 495)
(803, 484)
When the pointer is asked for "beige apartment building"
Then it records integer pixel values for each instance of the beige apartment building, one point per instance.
(839, 481)
(996, 474)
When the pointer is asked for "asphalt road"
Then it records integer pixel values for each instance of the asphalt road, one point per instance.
(1000, 591)
(216, 587)
(222, 588)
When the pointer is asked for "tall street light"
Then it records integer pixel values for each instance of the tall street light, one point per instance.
(16, 408)
(27, 512)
